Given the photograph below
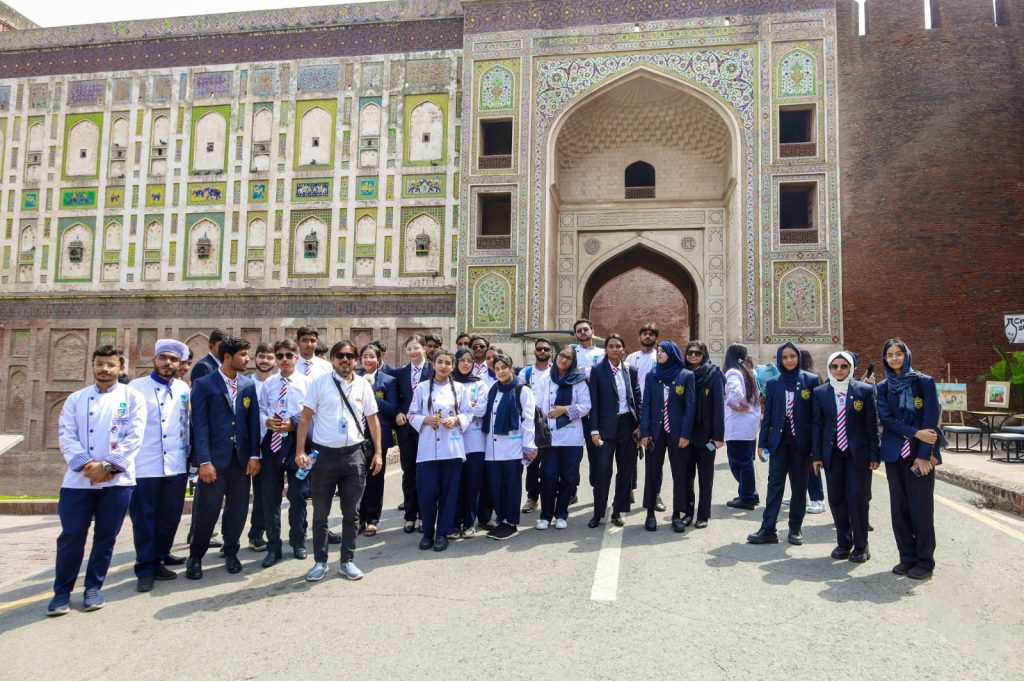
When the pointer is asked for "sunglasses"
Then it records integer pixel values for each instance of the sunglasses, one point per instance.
(285, 355)
(478, 347)
(344, 355)
(583, 330)
(543, 350)
(694, 353)
(839, 367)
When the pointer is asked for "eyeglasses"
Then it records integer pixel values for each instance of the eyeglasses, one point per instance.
(478, 346)
(568, 358)
(839, 367)
(285, 355)
(344, 355)
(694, 353)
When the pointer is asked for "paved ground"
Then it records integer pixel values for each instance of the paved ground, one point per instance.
(579, 604)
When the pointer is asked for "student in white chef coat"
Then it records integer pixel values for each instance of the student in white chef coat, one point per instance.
(472, 481)
(564, 397)
(508, 439)
(440, 411)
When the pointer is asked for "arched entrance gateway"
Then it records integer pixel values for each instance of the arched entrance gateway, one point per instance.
(643, 194)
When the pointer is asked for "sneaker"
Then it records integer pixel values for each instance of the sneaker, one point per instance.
(93, 600)
(531, 505)
(348, 570)
(454, 535)
(491, 525)
(561, 524)
(503, 531)
(317, 572)
(542, 524)
(468, 532)
(816, 507)
(659, 505)
(257, 545)
(786, 501)
(59, 605)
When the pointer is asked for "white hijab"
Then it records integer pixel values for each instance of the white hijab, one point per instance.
(837, 385)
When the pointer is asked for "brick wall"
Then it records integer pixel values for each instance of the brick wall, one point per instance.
(636, 297)
(931, 129)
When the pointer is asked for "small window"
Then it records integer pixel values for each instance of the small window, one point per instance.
(83, 153)
(796, 125)
(423, 245)
(316, 141)
(311, 247)
(426, 138)
(76, 251)
(797, 204)
(495, 138)
(204, 248)
(494, 221)
(209, 146)
(640, 180)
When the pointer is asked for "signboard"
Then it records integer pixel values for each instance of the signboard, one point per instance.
(1013, 324)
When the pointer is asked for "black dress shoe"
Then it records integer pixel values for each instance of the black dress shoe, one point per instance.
(145, 584)
(194, 568)
(333, 537)
(701, 524)
(300, 553)
(401, 506)
(426, 543)
(679, 525)
(739, 503)
(617, 520)
(687, 519)
(860, 555)
(796, 538)
(409, 527)
(172, 559)
(919, 573)
(763, 536)
(651, 524)
(162, 574)
(441, 543)
(233, 565)
(593, 522)
(841, 552)
(902, 568)
(272, 558)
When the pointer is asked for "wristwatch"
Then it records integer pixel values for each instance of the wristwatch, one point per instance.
(110, 468)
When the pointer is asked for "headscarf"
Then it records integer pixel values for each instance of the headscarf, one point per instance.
(457, 375)
(507, 418)
(837, 385)
(790, 378)
(902, 384)
(667, 373)
(703, 375)
(563, 396)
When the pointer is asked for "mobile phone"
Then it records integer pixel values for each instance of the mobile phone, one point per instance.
(711, 446)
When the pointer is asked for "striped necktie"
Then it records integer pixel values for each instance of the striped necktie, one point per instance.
(282, 399)
(664, 409)
(905, 450)
(415, 376)
(232, 390)
(790, 398)
(841, 441)
(309, 366)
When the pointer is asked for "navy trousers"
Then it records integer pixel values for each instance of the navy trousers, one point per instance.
(437, 488)
(787, 461)
(653, 472)
(372, 503)
(407, 457)
(105, 509)
(741, 463)
(505, 479)
(155, 511)
(230, 488)
(559, 478)
(848, 489)
(471, 483)
(814, 488)
(912, 501)
(257, 523)
(700, 467)
(485, 506)
(533, 483)
(621, 450)
(272, 479)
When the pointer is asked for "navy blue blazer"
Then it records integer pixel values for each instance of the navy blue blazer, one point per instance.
(403, 377)
(204, 367)
(713, 427)
(385, 389)
(604, 399)
(774, 420)
(861, 423)
(895, 431)
(219, 433)
(682, 405)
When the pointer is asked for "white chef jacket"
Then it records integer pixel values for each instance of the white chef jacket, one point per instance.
(101, 427)
(476, 391)
(509, 447)
(165, 443)
(588, 358)
(440, 443)
(572, 434)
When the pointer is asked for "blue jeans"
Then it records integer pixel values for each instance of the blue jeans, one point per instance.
(105, 509)
(741, 463)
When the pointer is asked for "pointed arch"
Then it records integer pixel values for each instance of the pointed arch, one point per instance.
(497, 89)
(315, 134)
(209, 145)
(81, 152)
(797, 74)
(161, 131)
(36, 134)
(369, 120)
(262, 125)
(119, 132)
(799, 302)
(426, 132)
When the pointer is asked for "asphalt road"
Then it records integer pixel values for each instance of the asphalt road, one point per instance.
(572, 604)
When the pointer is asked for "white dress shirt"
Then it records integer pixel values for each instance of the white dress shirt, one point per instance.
(571, 435)
(333, 425)
(97, 426)
(313, 367)
(643, 362)
(165, 443)
(440, 443)
(270, 401)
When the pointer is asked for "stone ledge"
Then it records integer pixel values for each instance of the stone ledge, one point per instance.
(1004, 495)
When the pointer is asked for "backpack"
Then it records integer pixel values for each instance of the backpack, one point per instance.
(541, 429)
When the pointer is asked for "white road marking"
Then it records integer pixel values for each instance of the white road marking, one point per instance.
(606, 574)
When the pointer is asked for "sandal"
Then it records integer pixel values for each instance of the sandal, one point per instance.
(370, 530)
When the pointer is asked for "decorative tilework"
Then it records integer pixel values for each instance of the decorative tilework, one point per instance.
(162, 88)
(417, 186)
(263, 82)
(800, 290)
(491, 297)
(426, 71)
(78, 199)
(38, 94)
(211, 84)
(318, 78)
(496, 89)
(312, 190)
(366, 189)
(82, 92)
(258, 192)
(122, 90)
(115, 197)
(797, 74)
(5, 98)
(371, 75)
(156, 196)
(206, 193)
(29, 199)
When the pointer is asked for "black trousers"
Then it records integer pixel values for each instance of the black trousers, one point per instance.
(273, 477)
(407, 456)
(230, 488)
(257, 523)
(592, 450)
(341, 471)
(787, 461)
(621, 449)
(654, 465)
(533, 484)
(912, 501)
(700, 465)
(849, 491)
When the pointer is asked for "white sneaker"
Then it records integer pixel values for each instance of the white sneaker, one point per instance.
(785, 502)
(542, 524)
(816, 507)
(560, 524)
(317, 572)
(349, 570)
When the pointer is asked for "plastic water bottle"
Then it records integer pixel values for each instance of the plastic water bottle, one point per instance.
(762, 455)
(303, 472)
(193, 474)
(284, 417)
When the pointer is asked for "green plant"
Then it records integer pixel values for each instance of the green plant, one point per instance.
(1010, 367)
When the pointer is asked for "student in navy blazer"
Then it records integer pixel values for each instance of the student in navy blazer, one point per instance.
(669, 378)
(614, 434)
(708, 431)
(908, 406)
(408, 377)
(786, 439)
(209, 363)
(226, 426)
(385, 390)
(845, 443)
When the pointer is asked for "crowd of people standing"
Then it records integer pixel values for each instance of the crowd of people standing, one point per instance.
(468, 423)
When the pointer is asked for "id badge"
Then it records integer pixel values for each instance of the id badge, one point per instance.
(343, 426)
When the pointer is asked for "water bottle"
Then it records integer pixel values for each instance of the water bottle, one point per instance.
(711, 446)
(284, 417)
(303, 472)
(763, 455)
(193, 474)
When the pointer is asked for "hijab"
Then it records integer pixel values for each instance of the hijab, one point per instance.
(902, 384)
(790, 377)
(507, 418)
(703, 375)
(457, 375)
(667, 373)
(563, 396)
(837, 385)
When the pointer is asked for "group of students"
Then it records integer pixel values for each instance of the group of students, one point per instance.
(467, 424)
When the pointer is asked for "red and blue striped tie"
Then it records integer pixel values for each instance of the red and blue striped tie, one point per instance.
(905, 450)
(790, 398)
(841, 442)
(664, 410)
(282, 397)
